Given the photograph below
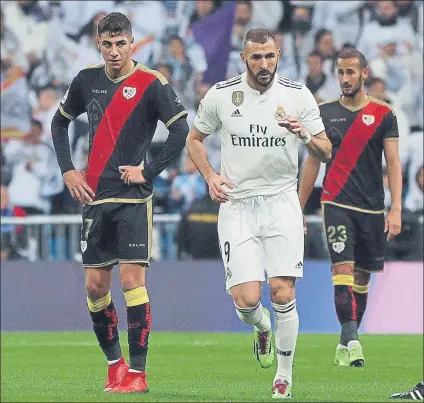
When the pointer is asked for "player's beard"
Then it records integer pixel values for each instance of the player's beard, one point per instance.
(354, 90)
(255, 77)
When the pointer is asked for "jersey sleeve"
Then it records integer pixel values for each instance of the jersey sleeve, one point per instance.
(207, 118)
(390, 126)
(309, 114)
(170, 107)
(72, 104)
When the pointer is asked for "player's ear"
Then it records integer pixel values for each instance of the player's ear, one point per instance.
(97, 42)
(242, 56)
(365, 72)
(132, 42)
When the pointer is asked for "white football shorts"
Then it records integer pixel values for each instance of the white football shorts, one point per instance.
(261, 237)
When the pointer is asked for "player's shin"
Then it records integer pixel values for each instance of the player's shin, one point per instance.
(254, 316)
(105, 326)
(139, 323)
(360, 293)
(286, 331)
(346, 307)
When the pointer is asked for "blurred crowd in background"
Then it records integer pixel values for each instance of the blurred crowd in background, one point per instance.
(193, 44)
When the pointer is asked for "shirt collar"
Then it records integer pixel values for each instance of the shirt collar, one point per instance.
(254, 92)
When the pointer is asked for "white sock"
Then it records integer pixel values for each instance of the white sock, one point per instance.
(286, 331)
(341, 347)
(254, 316)
(113, 362)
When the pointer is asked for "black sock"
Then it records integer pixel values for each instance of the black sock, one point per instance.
(139, 323)
(360, 292)
(105, 326)
(346, 308)
(361, 302)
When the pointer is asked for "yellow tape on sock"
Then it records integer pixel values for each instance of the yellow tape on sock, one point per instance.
(136, 296)
(343, 279)
(361, 289)
(99, 304)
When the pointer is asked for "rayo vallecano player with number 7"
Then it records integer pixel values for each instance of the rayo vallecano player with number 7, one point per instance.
(262, 117)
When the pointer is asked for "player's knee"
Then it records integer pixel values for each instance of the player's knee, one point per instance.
(362, 278)
(343, 269)
(282, 291)
(246, 300)
(132, 276)
(246, 295)
(96, 289)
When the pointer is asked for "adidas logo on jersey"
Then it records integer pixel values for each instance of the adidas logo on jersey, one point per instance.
(299, 265)
(236, 114)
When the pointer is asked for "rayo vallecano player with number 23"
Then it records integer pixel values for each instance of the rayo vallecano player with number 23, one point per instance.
(262, 117)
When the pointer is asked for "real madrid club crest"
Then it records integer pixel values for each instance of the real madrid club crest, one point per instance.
(238, 98)
(228, 273)
(280, 115)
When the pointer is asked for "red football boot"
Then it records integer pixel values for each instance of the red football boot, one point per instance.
(133, 382)
(115, 373)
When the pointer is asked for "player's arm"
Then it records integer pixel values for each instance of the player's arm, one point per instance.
(309, 127)
(197, 152)
(205, 122)
(165, 105)
(70, 107)
(308, 178)
(318, 146)
(394, 170)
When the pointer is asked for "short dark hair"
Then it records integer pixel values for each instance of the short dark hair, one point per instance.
(316, 54)
(258, 35)
(353, 54)
(115, 23)
(320, 34)
(175, 38)
(37, 123)
(246, 2)
(376, 80)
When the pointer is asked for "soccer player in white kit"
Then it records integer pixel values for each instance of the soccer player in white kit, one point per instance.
(262, 117)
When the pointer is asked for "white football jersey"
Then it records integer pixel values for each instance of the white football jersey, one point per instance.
(259, 157)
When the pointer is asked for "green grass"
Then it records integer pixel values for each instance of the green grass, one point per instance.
(182, 367)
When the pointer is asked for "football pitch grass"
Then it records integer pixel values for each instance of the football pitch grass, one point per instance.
(202, 367)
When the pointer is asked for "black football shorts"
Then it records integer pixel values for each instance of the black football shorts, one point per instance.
(355, 237)
(114, 233)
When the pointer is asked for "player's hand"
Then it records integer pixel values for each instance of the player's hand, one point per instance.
(305, 226)
(216, 191)
(294, 126)
(393, 224)
(78, 187)
(131, 174)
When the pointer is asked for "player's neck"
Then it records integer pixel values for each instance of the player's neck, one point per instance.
(251, 83)
(360, 99)
(126, 68)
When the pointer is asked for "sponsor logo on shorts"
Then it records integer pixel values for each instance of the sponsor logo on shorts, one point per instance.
(299, 265)
(136, 245)
(338, 247)
(228, 273)
(83, 246)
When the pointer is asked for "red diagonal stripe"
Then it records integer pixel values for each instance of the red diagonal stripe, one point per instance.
(350, 150)
(114, 118)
